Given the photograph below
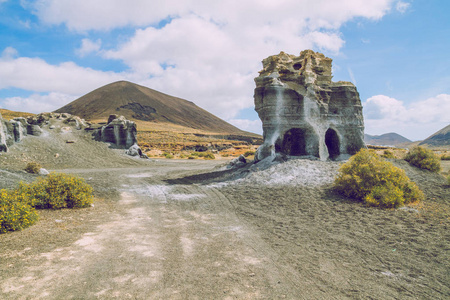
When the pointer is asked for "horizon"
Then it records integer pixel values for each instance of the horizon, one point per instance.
(394, 51)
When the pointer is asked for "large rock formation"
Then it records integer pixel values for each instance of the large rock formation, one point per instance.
(303, 112)
(120, 132)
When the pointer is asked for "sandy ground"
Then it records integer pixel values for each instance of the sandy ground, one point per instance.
(163, 229)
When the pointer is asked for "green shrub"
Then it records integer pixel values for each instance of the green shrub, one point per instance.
(448, 179)
(369, 178)
(445, 157)
(424, 158)
(385, 196)
(209, 156)
(168, 155)
(33, 168)
(388, 154)
(15, 211)
(192, 157)
(248, 153)
(57, 191)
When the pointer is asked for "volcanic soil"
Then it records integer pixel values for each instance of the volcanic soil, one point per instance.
(190, 229)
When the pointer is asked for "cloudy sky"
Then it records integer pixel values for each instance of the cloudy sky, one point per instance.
(208, 52)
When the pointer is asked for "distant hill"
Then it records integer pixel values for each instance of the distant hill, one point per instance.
(140, 103)
(440, 138)
(387, 139)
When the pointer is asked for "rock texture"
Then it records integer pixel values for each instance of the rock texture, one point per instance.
(12, 132)
(120, 132)
(303, 112)
(15, 130)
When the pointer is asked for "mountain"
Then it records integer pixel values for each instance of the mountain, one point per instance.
(387, 139)
(140, 103)
(440, 138)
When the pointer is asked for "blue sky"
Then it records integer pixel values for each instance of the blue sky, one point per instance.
(208, 52)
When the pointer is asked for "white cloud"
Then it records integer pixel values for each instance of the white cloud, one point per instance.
(35, 74)
(88, 46)
(108, 14)
(352, 76)
(416, 121)
(37, 103)
(9, 53)
(247, 125)
(402, 7)
(206, 51)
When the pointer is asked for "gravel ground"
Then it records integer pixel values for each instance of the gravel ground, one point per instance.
(164, 229)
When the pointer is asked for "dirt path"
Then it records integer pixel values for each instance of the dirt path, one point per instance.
(160, 232)
(159, 242)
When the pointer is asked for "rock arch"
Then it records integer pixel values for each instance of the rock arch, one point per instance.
(332, 143)
(300, 142)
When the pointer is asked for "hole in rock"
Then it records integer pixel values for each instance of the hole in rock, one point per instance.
(297, 66)
(294, 142)
(332, 142)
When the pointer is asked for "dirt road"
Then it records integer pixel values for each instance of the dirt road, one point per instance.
(159, 232)
(158, 242)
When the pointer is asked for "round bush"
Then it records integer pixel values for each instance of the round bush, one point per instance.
(58, 191)
(209, 155)
(15, 211)
(33, 168)
(369, 178)
(424, 158)
(388, 154)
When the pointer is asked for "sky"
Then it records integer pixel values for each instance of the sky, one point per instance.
(396, 52)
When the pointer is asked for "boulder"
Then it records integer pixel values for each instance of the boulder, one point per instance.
(303, 112)
(20, 129)
(135, 150)
(43, 171)
(237, 162)
(3, 136)
(76, 122)
(120, 132)
(34, 130)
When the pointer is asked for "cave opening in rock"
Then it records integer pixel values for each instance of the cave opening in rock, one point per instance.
(294, 142)
(332, 142)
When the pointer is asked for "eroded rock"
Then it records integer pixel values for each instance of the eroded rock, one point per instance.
(135, 150)
(120, 132)
(303, 112)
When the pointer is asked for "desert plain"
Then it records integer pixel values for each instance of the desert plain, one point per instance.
(193, 229)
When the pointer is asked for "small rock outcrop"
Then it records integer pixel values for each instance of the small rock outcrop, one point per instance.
(12, 132)
(303, 112)
(119, 132)
(15, 130)
(135, 150)
(237, 162)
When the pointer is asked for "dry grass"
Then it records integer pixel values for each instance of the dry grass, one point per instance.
(9, 115)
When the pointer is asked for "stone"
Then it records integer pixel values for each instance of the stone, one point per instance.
(11, 132)
(76, 122)
(303, 112)
(237, 162)
(34, 130)
(43, 171)
(135, 150)
(20, 130)
(119, 132)
(3, 136)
